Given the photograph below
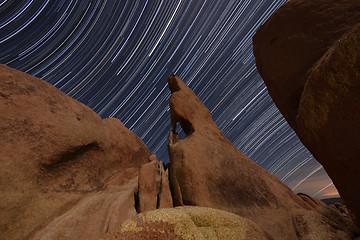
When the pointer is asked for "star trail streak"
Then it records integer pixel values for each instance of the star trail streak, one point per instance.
(115, 56)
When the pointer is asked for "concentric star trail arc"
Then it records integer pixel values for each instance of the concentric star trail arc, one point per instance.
(115, 56)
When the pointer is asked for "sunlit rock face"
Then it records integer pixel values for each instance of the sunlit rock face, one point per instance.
(308, 55)
(65, 173)
(206, 169)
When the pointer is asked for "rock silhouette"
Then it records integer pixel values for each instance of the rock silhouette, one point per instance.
(308, 55)
(207, 170)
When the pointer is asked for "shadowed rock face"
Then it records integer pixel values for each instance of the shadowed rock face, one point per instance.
(308, 55)
(293, 39)
(324, 222)
(61, 165)
(154, 191)
(207, 170)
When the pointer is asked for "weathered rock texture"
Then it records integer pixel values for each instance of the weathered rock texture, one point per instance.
(207, 170)
(312, 202)
(308, 55)
(324, 222)
(154, 191)
(65, 173)
(165, 197)
(93, 215)
(182, 223)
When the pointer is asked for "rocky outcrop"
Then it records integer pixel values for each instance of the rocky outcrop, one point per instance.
(103, 212)
(165, 197)
(308, 55)
(324, 222)
(149, 186)
(189, 223)
(207, 170)
(65, 173)
(312, 202)
(154, 191)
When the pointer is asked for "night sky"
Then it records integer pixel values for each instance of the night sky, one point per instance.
(115, 56)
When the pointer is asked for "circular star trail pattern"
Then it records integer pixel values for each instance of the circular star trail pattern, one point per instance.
(115, 56)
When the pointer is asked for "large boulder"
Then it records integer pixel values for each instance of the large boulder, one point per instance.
(64, 171)
(183, 223)
(308, 55)
(206, 169)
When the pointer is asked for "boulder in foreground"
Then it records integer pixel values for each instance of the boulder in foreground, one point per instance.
(183, 223)
(308, 55)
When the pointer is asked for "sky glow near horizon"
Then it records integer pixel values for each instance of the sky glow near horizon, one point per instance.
(115, 56)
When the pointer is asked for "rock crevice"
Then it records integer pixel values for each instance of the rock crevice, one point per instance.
(154, 191)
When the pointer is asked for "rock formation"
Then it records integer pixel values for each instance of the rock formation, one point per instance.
(312, 202)
(154, 191)
(165, 197)
(149, 186)
(308, 55)
(207, 170)
(91, 216)
(65, 173)
(332, 219)
(184, 223)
